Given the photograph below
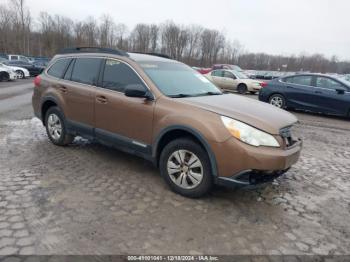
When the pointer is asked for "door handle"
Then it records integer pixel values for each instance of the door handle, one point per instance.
(101, 99)
(318, 92)
(290, 87)
(63, 89)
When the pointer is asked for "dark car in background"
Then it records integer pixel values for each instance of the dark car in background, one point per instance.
(34, 70)
(309, 92)
(41, 63)
(3, 56)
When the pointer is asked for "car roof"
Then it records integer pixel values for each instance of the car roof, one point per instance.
(137, 57)
(309, 74)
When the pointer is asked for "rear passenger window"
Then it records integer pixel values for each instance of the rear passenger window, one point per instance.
(117, 76)
(58, 68)
(217, 73)
(299, 80)
(68, 74)
(86, 70)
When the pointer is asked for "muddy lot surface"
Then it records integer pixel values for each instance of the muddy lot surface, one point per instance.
(91, 199)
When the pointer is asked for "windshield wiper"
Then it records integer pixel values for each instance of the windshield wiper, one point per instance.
(180, 95)
(210, 93)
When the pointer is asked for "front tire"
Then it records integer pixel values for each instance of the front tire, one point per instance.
(185, 166)
(56, 127)
(4, 76)
(277, 100)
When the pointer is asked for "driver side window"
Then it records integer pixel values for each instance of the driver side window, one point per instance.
(325, 82)
(117, 76)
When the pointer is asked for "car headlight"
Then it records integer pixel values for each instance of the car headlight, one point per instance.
(249, 134)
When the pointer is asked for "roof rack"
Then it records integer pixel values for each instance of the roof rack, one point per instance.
(93, 50)
(155, 54)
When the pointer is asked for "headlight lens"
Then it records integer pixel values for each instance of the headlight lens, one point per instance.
(249, 134)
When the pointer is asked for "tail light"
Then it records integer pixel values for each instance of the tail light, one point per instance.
(37, 81)
(263, 84)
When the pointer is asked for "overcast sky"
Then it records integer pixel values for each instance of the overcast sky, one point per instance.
(271, 26)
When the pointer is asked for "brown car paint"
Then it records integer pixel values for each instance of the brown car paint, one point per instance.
(143, 120)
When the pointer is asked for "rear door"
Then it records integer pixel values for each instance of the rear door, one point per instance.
(124, 121)
(217, 76)
(230, 81)
(79, 93)
(329, 97)
(299, 92)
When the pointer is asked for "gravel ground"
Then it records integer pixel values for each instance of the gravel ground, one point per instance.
(91, 199)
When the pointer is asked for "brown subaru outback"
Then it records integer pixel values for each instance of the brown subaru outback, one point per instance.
(166, 112)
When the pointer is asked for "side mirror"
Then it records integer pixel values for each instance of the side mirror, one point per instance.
(137, 91)
(340, 90)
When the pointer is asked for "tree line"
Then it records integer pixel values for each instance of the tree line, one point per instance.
(192, 44)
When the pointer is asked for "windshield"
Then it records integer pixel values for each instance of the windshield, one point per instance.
(236, 68)
(345, 80)
(3, 65)
(178, 80)
(240, 75)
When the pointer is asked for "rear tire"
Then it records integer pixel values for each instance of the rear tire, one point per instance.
(185, 166)
(20, 74)
(242, 89)
(56, 127)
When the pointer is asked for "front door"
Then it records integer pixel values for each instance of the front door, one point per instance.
(122, 120)
(331, 96)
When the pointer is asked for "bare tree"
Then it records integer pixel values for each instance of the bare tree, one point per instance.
(194, 45)
(174, 40)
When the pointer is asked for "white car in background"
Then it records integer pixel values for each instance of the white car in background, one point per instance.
(18, 58)
(7, 74)
(232, 80)
(20, 71)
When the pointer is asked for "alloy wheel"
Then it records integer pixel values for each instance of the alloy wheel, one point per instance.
(20, 74)
(277, 101)
(54, 126)
(185, 169)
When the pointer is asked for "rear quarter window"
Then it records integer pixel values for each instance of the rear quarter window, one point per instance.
(59, 67)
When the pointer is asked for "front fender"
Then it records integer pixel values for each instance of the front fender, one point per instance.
(193, 132)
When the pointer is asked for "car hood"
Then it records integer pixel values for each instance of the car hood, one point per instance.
(255, 113)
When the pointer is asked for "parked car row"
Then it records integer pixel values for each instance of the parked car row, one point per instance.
(205, 71)
(14, 67)
(266, 75)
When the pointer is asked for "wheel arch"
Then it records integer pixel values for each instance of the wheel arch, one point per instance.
(47, 103)
(173, 132)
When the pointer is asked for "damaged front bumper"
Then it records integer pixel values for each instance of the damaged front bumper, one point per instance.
(250, 178)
